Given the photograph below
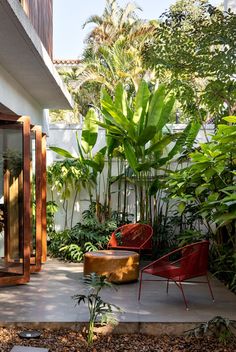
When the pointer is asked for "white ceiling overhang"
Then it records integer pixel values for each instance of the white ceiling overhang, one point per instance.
(24, 57)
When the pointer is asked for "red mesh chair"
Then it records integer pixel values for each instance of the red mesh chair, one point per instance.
(135, 237)
(188, 262)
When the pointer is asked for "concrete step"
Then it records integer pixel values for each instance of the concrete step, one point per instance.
(28, 349)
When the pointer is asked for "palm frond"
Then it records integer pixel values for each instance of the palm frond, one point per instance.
(95, 19)
(129, 12)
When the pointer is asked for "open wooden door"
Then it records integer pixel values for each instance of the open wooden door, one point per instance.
(15, 228)
(36, 198)
(22, 199)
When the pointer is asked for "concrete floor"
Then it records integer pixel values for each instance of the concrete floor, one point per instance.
(47, 298)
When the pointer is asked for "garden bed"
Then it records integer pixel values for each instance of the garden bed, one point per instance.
(69, 340)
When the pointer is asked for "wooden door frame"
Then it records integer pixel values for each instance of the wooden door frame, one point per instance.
(44, 199)
(41, 247)
(36, 260)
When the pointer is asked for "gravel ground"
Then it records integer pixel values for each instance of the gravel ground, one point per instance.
(71, 341)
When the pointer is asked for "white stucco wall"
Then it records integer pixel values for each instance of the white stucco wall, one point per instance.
(63, 136)
(15, 98)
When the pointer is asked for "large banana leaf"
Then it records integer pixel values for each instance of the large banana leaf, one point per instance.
(78, 146)
(165, 109)
(111, 128)
(105, 96)
(181, 141)
(97, 162)
(162, 144)
(89, 131)
(146, 135)
(231, 119)
(62, 152)
(112, 143)
(141, 103)
(165, 113)
(121, 99)
(155, 107)
(130, 155)
(117, 116)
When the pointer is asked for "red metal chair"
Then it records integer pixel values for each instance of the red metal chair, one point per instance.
(135, 237)
(188, 262)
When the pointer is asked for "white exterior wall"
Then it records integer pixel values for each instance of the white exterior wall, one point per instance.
(14, 97)
(63, 136)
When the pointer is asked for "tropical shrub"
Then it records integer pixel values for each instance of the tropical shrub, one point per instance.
(207, 189)
(88, 235)
(67, 178)
(79, 171)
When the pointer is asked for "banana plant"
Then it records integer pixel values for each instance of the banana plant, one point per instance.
(139, 126)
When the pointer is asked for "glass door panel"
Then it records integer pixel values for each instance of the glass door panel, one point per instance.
(11, 199)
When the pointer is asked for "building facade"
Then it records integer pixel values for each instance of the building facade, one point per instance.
(29, 86)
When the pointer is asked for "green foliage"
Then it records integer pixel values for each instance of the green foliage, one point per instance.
(206, 188)
(190, 236)
(193, 51)
(89, 132)
(99, 310)
(67, 175)
(67, 178)
(192, 57)
(112, 54)
(89, 235)
(219, 327)
(13, 160)
(51, 209)
(119, 238)
(140, 127)
(78, 171)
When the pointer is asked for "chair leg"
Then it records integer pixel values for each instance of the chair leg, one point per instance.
(167, 286)
(210, 289)
(140, 286)
(185, 301)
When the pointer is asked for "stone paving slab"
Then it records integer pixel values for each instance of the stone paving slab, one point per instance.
(47, 299)
(28, 349)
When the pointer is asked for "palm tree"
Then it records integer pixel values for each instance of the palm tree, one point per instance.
(115, 21)
(112, 54)
(111, 65)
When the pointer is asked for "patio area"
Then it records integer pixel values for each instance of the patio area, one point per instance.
(46, 301)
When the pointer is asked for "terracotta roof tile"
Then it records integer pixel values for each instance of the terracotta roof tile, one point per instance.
(66, 61)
